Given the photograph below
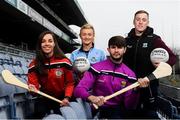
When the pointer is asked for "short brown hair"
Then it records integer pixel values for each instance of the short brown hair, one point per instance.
(141, 11)
(118, 41)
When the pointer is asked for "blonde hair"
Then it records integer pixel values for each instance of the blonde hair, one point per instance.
(87, 26)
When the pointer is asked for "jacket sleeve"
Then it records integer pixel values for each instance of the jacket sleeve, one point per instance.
(160, 44)
(85, 84)
(69, 81)
(32, 76)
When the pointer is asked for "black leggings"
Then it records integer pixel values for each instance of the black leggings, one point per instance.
(43, 106)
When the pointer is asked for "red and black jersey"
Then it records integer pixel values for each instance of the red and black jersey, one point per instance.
(59, 78)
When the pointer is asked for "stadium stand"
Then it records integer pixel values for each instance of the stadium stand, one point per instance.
(6, 100)
(14, 101)
(26, 20)
(166, 110)
(76, 110)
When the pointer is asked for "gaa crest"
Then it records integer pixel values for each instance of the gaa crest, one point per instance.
(123, 83)
(59, 73)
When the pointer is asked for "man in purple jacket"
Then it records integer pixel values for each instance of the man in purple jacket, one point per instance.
(107, 77)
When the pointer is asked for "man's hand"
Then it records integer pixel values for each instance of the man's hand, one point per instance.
(144, 82)
(98, 100)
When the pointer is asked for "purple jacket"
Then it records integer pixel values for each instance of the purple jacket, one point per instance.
(105, 78)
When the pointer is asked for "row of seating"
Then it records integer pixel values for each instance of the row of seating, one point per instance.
(166, 110)
(76, 110)
(82, 110)
(14, 101)
(21, 106)
(16, 64)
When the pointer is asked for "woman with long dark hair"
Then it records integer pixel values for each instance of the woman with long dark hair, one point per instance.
(50, 72)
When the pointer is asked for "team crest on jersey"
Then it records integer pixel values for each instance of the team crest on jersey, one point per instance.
(123, 83)
(93, 59)
(129, 46)
(145, 45)
(59, 73)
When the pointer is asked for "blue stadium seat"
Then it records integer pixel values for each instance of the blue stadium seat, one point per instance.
(166, 109)
(1, 68)
(9, 67)
(54, 117)
(18, 70)
(79, 110)
(1, 61)
(86, 106)
(6, 100)
(25, 69)
(17, 61)
(68, 112)
(21, 101)
(20, 90)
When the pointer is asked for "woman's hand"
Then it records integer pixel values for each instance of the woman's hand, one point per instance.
(65, 102)
(32, 88)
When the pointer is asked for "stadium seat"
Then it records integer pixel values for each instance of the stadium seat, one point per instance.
(1, 55)
(1, 61)
(68, 112)
(6, 100)
(54, 117)
(25, 69)
(21, 101)
(1, 68)
(86, 106)
(9, 67)
(79, 110)
(17, 60)
(166, 109)
(20, 90)
(18, 70)
(20, 108)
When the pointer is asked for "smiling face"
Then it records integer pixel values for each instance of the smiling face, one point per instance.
(141, 21)
(47, 45)
(87, 36)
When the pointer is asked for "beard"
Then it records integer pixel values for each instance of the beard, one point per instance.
(116, 59)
